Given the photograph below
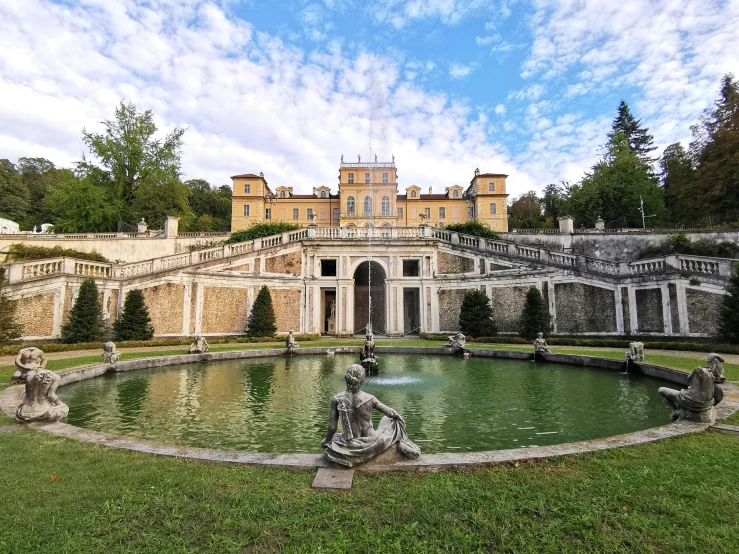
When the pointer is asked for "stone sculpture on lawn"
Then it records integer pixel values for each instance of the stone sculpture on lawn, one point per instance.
(697, 401)
(28, 359)
(199, 346)
(716, 365)
(359, 441)
(457, 342)
(540, 345)
(110, 354)
(39, 401)
(290, 341)
(636, 352)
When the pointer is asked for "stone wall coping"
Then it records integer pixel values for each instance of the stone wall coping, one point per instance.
(10, 399)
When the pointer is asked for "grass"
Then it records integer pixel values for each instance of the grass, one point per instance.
(669, 496)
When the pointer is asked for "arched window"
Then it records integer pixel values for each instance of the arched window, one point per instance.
(456, 194)
(350, 206)
(282, 194)
(413, 194)
(367, 205)
(323, 194)
(385, 205)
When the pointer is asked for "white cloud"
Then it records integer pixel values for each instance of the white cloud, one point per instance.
(460, 71)
(250, 102)
(401, 12)
(500, 109)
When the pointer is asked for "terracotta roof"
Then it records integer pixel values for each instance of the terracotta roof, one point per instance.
(302, 197)
(402, 197)
(489, 175)
(246, 176)
(434, 197)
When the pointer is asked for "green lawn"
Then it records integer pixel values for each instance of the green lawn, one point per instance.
(676, 496)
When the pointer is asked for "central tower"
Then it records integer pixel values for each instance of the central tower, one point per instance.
(368, 193)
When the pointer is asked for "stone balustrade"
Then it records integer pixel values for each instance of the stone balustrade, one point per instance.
(719, 267)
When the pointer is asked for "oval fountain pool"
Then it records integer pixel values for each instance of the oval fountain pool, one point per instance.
(281, 404)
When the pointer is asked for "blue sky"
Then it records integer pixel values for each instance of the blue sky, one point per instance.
(524, 87)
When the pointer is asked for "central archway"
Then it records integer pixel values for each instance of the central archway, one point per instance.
(369, 273)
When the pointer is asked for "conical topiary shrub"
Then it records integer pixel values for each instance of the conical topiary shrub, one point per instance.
(262, 318)
(134, 322)
(729, 315)
(476, 315)
(9, 328)
(535, 316)
(86, 316)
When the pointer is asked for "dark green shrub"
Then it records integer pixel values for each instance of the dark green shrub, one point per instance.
(476, 315)
(262, 318)
(729, 316)
(474, 228)
(259, 230)
(535, 316)
(679, 243)
(134, 322)
(24, 252)
(9, 328)
(86, 316)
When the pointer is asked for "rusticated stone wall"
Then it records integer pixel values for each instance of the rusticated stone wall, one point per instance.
(649, 310)
(507, 303)
(674, 315)
(35, 315)
(193, 305)
(287, 309)
(224, 310)
(165, 303)
(584, 308)
(450, 302)
(451, 263)
(290, 264)
(243, 267)
(67, 304)
(111, 306)
(703, 310)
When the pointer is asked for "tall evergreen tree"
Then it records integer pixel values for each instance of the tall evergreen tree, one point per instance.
(729, 316)
(9, 328)
(535, 316)
(14, 197)
(678, 179)
(716, 150)
(86, 316)
(476, 315)
(262, 318)
(637, 136)
(134, 322)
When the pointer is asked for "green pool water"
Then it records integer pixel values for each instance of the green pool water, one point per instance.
(281, 404)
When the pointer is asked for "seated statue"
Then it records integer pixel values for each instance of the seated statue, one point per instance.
(636, 352)
(540, 345)
(40, 402)
(456, 341)
(368, 349)
(716, 365)
(199, 346)
(28, 359)
(110, 354)
(359, 441)
(696, 402)
(290, 341)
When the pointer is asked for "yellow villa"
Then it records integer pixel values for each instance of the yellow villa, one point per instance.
(368, 195)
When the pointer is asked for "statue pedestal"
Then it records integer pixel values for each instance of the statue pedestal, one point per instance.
(332, 325)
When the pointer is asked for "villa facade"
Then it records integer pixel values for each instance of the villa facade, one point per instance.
(368, 195)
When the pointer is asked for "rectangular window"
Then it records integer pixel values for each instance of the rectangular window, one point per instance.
(268, 213)
(296, 213)
(427, 211)
(328, 268)
(351, 178)
(414, 212)
(247, 189)
(491, 187)
(310, 213)
(493, 209)
(336, 213)
(400, 213)
(442, 213)
(411, 268)
(384, 177)
(367, 178)
(246, 210)
(470, 212)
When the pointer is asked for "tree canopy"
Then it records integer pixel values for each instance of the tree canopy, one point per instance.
(476, 315)
(637, 137)
(86, 316)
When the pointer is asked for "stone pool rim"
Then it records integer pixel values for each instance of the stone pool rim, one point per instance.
(10, 399)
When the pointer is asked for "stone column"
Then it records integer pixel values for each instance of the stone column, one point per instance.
(633, 316)
(666, 312)
(199, 308)
(619, 310)
(434, 324)
(186, 302)
(682, 308)
(58, 317)
(552, 303)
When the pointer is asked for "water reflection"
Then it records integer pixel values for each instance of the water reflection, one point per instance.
(450, 404)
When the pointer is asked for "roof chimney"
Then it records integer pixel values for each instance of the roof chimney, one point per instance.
(477, 171)
(430, 190)
(261, 175)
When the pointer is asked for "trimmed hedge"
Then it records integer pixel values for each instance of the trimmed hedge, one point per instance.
(23, 252)
(12, 349)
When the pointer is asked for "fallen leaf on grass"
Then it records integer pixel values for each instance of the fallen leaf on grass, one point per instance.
(53, 477)
(479, 511)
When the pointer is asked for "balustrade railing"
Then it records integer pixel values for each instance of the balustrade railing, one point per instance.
(706, 266)
(567, 260)
(642, 267)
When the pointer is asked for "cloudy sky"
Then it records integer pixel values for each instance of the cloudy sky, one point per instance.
(523, 87)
